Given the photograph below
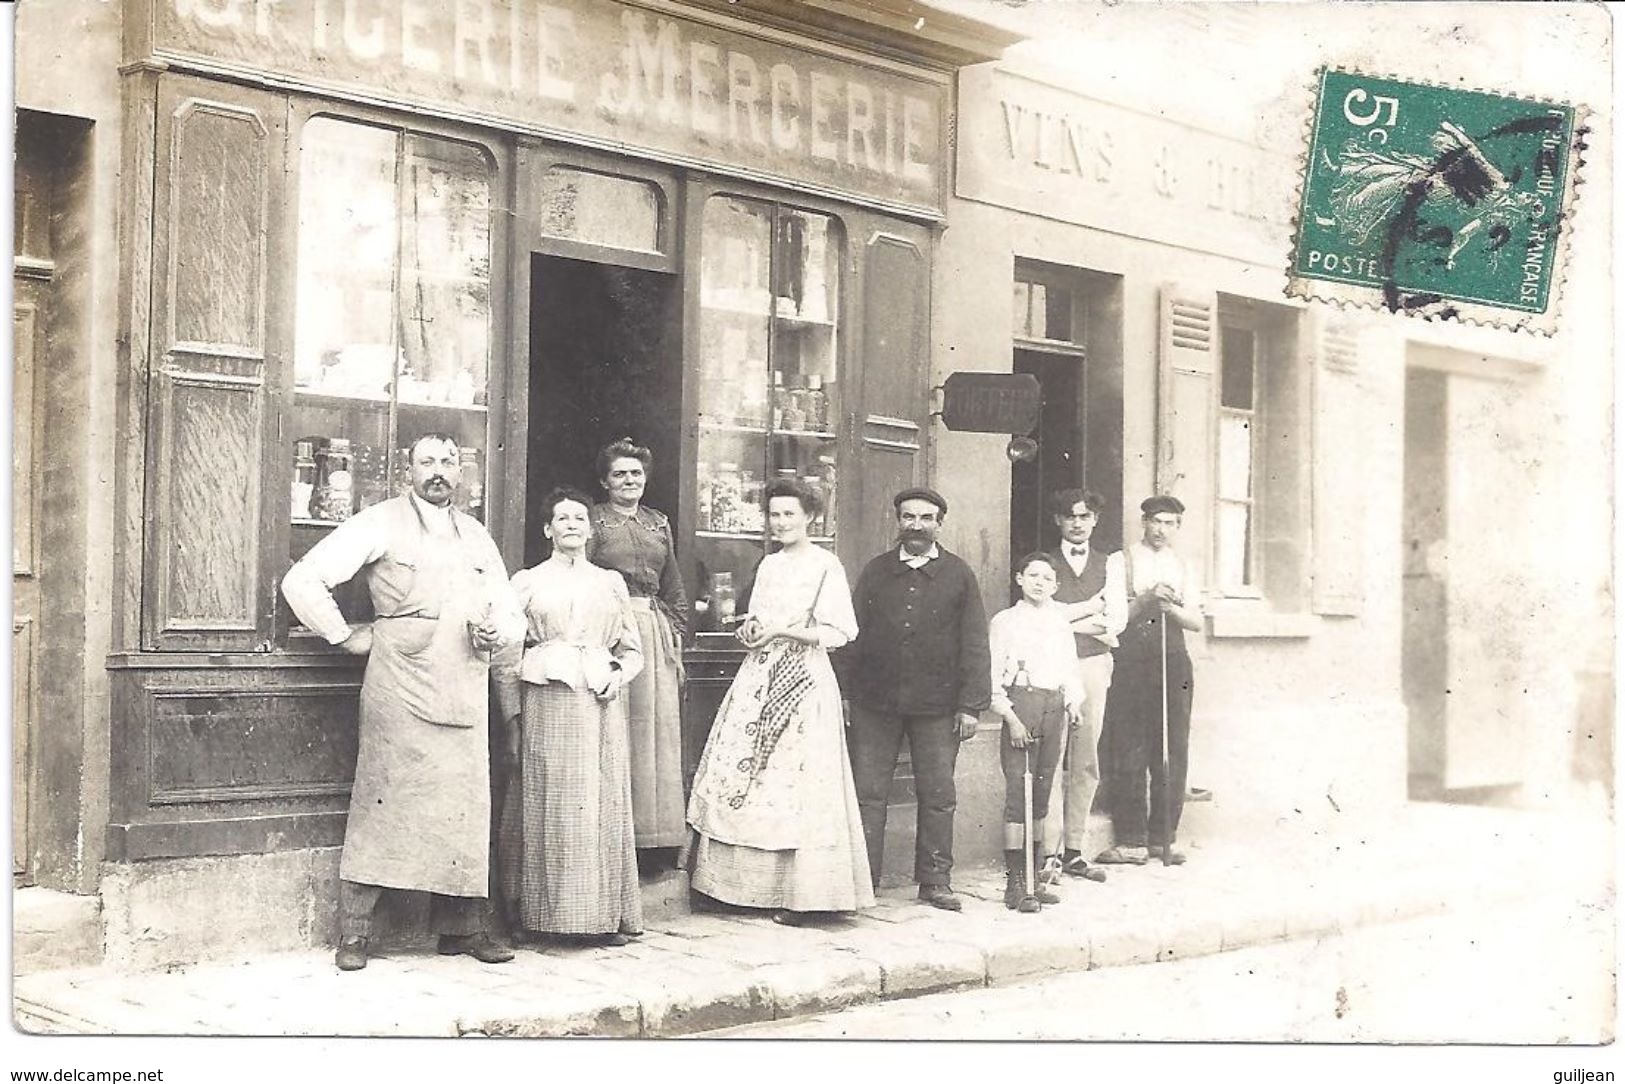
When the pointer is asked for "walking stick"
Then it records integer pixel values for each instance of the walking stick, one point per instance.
(1167, 780)
(1027, 810)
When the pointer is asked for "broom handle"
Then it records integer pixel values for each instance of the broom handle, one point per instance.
(1167, 773)
(1027, 811)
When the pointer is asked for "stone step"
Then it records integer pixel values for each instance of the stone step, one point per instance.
(53, 929)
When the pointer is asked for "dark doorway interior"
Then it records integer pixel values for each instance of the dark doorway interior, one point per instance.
(605, 362)
(1060, 461)
(1068, 333)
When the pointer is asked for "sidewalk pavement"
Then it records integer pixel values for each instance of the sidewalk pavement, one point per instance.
(691, 974)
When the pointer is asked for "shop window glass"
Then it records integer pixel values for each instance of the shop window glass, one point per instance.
(769, 404)
(392, 321)
(615, 212)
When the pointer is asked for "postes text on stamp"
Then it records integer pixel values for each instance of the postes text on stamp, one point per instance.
(1435, 201)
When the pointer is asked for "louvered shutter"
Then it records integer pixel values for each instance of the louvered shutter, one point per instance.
(1185, 414)
(1340, 418)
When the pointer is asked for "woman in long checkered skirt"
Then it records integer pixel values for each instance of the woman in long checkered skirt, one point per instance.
(566, 849)
(774, 817)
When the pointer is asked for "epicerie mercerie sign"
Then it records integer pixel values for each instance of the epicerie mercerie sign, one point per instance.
(604, 73)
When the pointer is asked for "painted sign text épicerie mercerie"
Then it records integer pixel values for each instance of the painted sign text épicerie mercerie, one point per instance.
(604, 72)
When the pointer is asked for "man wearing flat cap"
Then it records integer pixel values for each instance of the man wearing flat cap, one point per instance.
(1164, 604)
(918, 668)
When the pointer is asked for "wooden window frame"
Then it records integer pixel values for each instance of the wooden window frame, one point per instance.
(535, 157)
(1031, 273)
(1233, 317)
(282, 306)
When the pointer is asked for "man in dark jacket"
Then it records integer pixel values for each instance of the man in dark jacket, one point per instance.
(918, 667)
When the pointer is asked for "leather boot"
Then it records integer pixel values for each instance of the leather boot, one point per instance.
(352, 954)
(1015, 889)
(1041, 890)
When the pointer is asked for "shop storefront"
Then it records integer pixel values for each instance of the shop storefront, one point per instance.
(535, 226)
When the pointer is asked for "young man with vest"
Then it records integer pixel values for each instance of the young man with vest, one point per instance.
(1091, 586)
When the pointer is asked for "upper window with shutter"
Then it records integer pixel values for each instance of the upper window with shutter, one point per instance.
(1234, 445)
(1261, 493)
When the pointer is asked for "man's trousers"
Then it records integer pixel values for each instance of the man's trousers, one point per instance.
(449, 916)
(873, 742)
(1083, 758)
(1142, 815)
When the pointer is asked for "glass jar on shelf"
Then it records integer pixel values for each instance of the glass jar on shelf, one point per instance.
(470, 494)
(794, 415)
(751, 517)
(334, 498)
(371, 475)
(723, 603)
(817, 404)
(726, 494)
(304, 478)
(753, 405)
(826, 476)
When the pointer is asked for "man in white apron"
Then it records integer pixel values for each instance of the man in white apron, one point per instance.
(420, 809)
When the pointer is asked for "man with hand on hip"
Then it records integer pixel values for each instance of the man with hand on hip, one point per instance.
(420, 807)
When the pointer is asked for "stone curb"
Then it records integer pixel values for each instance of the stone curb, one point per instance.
(697, 975)
(866, 967)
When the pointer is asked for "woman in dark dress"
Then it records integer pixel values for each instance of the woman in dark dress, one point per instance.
(630, 538)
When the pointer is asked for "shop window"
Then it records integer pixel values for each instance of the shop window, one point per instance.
(596, 209)
(768, 401)
(392, 321)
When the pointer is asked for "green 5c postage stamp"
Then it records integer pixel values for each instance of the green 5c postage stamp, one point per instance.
(1435, 201)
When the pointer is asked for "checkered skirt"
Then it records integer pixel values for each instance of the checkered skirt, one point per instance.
(565, 848)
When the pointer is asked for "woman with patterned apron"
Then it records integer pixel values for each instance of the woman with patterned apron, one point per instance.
(636, 541)
(774, 815)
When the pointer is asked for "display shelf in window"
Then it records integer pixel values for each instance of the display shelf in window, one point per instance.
(769, 352)
(392, 320)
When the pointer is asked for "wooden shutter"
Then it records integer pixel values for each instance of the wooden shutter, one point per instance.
(889, 414)
(1338, 439)
(1188, 367)
(217, 206)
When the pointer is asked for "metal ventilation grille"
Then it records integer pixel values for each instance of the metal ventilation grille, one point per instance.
(1192, 325)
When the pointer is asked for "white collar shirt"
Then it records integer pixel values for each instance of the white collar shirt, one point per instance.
(920, 560)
